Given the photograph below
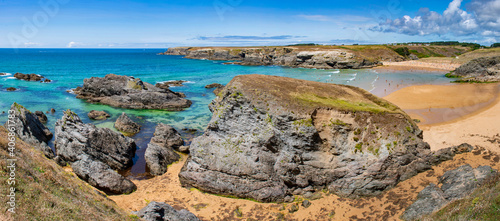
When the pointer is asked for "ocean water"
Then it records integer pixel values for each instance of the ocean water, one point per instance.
(68, 67)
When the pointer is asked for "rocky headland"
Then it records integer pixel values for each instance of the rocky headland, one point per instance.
(272, 137)
(484, 69)
(284, 56)
(131, 93)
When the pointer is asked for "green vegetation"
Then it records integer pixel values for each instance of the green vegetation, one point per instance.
(482, 204)
(403, 51)
(304, 44)
(495, 45)
(359, 147)
(347, 105)
(45, 191)
(337, 122)
(418, 54)
(303, 122)
(450, 75)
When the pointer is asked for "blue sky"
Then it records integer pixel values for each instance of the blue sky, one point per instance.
(167, 23)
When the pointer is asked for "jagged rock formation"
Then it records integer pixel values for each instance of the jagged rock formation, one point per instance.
(129, 92)
(156, 211)
(74, 138)
(94, 153)
(41, 116)
(27, 127)
(168, 84)
(283, 56)
(485, 69)
(160, 153)
(101, 176)
(270, 136)
(98, 115)
(127, 125)
(456, 184)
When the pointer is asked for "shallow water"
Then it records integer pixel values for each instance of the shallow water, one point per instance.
(68, 67)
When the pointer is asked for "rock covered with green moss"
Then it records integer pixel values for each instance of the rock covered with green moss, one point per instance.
(271, 137)
(129, 92)
(28, 127)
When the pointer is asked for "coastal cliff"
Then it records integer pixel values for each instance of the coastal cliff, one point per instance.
(272, 137)
(282, 56)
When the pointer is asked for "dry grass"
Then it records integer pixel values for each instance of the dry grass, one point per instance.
(45, 191)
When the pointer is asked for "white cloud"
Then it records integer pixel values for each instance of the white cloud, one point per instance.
(483, 16)
(315, 17)
(72, 44)
(30, 44)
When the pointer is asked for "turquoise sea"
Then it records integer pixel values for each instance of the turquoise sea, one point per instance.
(68, 67)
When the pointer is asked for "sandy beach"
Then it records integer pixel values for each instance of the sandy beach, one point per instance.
(419, 65)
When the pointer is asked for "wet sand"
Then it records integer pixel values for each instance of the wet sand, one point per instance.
(454, 114)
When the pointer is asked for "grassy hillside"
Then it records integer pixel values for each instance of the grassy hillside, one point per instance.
(45, 191)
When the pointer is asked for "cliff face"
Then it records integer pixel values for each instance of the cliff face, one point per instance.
(283, 56)
(485, 69)
(272, 136)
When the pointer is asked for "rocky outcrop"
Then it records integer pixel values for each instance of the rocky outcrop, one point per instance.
(156, 211)
(28, 77)
(283, 56)
(127, 125)
(41, 116)
(158, 158)
(27, 127)
(98, 115)
(484, 69)
(456, 184)
(160, 153)
(11, 89)
(101, 176)
(129, 92)
(271, 136)
(218, 87)
(168, 84)
(74, 138)
(166, 136)
(1, 74)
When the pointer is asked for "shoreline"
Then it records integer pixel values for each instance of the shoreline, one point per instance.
(471, 116)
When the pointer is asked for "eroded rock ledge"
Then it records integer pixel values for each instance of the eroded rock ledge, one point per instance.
(271, 136)
(129, 92)
(283, 56)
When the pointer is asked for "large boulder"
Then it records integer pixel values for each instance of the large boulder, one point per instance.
(455, 184)
(101, 176)
(41, 116)
(270, 136)
(156, 211)
(74, 138)
(484, 69)
(158, 158)
(129, 92)
(166, 136)
(28, 127)
(127, 125)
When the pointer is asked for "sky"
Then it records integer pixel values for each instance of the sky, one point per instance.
(168, 23)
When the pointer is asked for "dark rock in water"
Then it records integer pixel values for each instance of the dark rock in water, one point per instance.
(126, 125)
(484, 69)
(167, 136)
(1, 74)
(159, 157)
(74, 138)
(214, 85)
(52, 110)
(27, 127)
(456, 184)
(28, 77)
(218, 87)
(41, 116)
(46, 80)
(102, 176)
(184, 149)
(98, 115)
(167, 84)
(129, 92)
(190, 130)
(11, 89)
(271, 135)
(156, 211)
